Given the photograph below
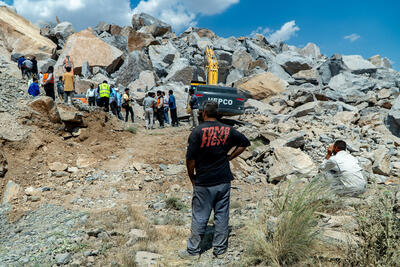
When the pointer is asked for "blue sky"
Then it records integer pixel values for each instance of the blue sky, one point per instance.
(372, 27)
(322, 22)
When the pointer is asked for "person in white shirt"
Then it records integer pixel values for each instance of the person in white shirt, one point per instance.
(91, 95)
(343, 171)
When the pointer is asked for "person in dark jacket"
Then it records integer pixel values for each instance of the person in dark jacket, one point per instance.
(172, 109)
(194, 106)
(35, 67)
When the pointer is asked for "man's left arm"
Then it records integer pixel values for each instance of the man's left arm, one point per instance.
(240, 142)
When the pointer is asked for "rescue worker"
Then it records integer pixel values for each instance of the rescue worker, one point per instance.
(69, 85)
(104, 91)
(48, 82)
(160, 109)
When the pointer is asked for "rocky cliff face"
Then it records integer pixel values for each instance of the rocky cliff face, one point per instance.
(20, 36)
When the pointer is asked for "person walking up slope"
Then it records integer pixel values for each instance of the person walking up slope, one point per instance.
(104, 91)
(69, 85)
(127, 105)
(48, 82)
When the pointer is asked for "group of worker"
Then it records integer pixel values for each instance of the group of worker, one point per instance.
(65, 84)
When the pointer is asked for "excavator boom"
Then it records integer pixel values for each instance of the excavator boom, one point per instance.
(211, 66)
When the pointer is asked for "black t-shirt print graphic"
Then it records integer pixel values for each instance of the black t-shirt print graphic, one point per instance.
(214, 136)
(209, 145)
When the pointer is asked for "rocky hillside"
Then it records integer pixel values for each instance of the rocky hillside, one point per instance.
(113, 194)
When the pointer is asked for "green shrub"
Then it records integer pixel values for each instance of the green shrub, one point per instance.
(379, 231)
(285, 231)
(132, 130)
(175, 203)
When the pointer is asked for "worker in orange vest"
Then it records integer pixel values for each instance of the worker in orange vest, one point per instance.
(48, 82)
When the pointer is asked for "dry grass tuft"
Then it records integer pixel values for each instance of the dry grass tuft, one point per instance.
(379, 231)
(284, 232)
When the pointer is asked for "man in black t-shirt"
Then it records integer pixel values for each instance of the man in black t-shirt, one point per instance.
(207, 153)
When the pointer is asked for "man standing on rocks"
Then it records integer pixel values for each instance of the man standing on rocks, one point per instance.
(160, 109)
(194, 107)
(148, 105)
(104, 91)
(48, 83)
(69, 85)
(343, 171)
(127, 105)
(207, 154)
(172, 109)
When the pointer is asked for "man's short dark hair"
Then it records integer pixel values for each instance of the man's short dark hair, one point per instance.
(341, 145)
(50, 69)
(104, 81)
(211, 109)
(170, 92)
(191, 91)
(35, 79)
(68, 69)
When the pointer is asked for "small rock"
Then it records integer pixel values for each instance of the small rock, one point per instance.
(63, 259)
(145, 258)
(72, 169)
(12, 190)
(58, 166)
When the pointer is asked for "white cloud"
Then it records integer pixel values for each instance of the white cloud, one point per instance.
(261, 30)
(182, 13)
(83, 13)
(352, 37)
(287, 31)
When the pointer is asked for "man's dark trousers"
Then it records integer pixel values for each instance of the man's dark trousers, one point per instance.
(105, 103)
(205, 199)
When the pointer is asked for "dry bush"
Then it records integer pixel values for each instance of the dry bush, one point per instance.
(379, 231)
(285, 231)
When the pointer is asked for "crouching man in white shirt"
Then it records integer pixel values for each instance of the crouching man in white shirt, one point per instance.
(343, 171)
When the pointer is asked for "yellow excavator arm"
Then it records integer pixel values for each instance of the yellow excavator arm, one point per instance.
(211, 66)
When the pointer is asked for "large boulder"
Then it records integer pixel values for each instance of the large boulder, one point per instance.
(307, 76)
(241, 60)
(330, 68)
(80, 47)
(311, 50)
(3, 165)
(287, 161)
(45, 106)
(348, 87)
(293, 62)
(262, 85)
(10, 129)
(357, 65)
(138, 40)
(43, 65)
(380, 62)
(136, 63)
(180, 71)
(393, 118)
(62, 31)
(18, 35)
(148, 24)
(11, 192)
(162, 56)
(145, 82)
